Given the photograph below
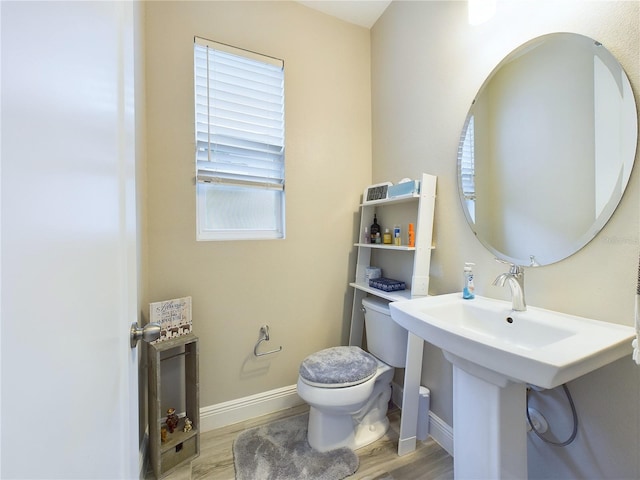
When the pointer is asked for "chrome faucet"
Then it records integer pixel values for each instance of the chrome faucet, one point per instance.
(515, 278)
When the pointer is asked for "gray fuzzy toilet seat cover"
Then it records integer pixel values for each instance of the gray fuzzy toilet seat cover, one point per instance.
(339, 365)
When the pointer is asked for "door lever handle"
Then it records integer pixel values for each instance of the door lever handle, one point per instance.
(148, 333)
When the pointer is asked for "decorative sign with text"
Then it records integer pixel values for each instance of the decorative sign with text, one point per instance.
(174, 317)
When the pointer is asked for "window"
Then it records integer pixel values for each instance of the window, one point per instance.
(239, 107)
(466, 156)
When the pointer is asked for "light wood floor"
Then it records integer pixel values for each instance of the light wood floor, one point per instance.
(378, 461)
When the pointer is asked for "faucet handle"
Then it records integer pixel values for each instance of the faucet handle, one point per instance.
(516, 269)
(513, 268)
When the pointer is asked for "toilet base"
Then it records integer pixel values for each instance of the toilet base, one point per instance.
(330, 431)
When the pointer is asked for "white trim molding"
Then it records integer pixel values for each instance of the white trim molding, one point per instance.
(441, 432)
(246, 408)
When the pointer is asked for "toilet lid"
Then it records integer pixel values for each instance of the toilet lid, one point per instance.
(338, 367)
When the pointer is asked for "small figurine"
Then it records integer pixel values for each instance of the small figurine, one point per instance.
(172, 419)
(163, 434)
(187, 425)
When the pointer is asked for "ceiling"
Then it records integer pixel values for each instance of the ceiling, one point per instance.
(361, 12)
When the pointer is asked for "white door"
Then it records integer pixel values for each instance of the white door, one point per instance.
(68, 262)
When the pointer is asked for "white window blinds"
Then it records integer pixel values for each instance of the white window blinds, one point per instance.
(239, 101)
(466, 156)
(239, 128)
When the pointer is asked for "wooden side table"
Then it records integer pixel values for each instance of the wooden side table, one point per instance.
(180, 446)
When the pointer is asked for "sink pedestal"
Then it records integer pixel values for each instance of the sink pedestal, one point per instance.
(489, 428)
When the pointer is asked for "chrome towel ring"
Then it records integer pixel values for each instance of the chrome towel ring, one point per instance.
(264, 336)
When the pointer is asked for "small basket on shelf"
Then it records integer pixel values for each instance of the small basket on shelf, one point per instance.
(387, 284)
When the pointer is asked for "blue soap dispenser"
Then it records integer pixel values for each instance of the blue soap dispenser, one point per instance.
(468, 288)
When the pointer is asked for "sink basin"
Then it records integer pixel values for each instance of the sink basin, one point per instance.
(495, 352)
(537, 346)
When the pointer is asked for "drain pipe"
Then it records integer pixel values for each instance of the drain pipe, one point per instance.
(540, 429)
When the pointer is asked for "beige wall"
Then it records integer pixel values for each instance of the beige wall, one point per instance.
(427, 65)
(298, 286)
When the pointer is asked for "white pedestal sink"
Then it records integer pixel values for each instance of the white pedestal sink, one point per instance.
(495, 353)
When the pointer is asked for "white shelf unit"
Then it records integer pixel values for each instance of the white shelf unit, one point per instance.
(419, 210)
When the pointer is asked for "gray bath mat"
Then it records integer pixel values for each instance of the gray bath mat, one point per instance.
(280, 451)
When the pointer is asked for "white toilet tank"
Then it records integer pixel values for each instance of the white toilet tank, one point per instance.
(385, 338)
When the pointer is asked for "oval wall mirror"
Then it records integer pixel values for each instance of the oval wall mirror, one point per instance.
(547, 149)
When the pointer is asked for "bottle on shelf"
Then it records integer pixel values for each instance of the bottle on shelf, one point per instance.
(397, 240)
(387, 237)
(411, 240)
(365, 236)
(374, 230)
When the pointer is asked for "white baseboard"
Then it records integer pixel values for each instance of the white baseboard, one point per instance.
(246, 408)
(441, 432)
(396, 394)
(241, 409)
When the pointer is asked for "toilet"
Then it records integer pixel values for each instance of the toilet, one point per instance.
(348, 389)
